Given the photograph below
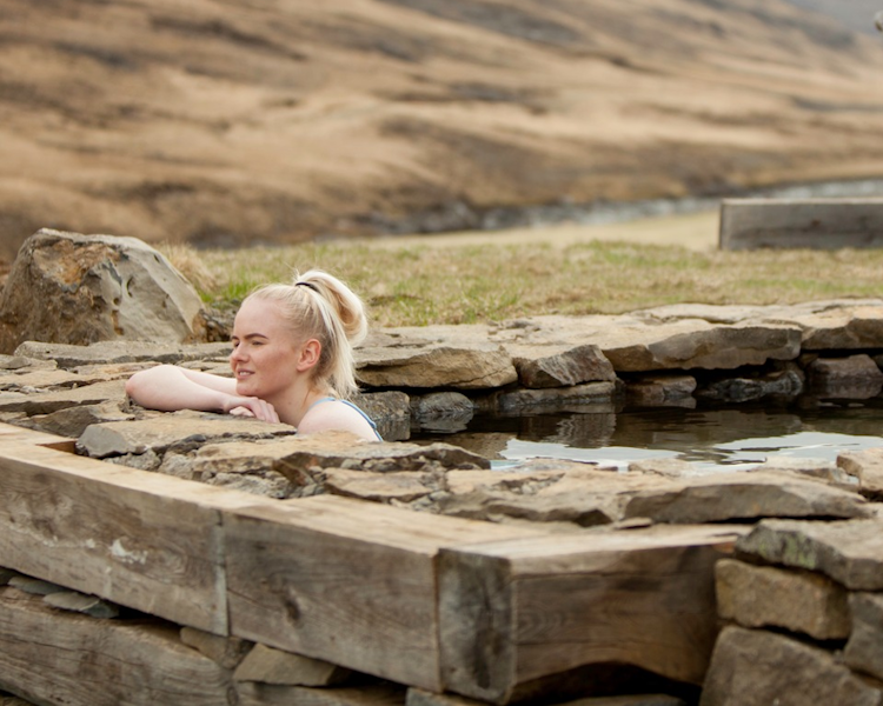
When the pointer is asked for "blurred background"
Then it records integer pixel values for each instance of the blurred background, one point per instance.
(226, 123)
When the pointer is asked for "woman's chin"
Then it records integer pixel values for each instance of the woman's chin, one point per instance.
(243, 389)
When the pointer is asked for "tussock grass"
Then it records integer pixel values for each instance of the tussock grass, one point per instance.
(423, 285)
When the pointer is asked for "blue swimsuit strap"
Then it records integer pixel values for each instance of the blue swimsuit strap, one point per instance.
(355, 407)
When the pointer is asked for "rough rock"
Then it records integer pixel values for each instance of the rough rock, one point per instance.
(342, 450)
(787, 383)
(73, 421)
(810, 468)
(436, 366)
(586, 509)
(542, 490)
(442, 411)
(178, 429)
(864, 651)
(36, 402)
(271, 666)
(721, 497)
(41, 380)
(402, 487)
(766, 596)
(755, 667)
(600, 395)
(95, 288)
(686, 345)
(833, 324)
(867, 467)
(390, 410)
(667, 467)
(855, 377)
(119, 352)
(661, 391)
(839, 324)
(252, 474)
(849, 552)
(21, 362)
(560, 366)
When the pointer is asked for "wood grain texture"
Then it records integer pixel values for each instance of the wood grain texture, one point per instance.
(379, 694)
(143, 540)
(10, 434)
(515, 613)
(56, 657)
(346, 581)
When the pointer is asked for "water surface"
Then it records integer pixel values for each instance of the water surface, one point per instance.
(725, 439)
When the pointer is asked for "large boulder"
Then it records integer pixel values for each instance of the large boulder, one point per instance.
(79, 289)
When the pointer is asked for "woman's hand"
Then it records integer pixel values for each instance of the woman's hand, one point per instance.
(251, 407)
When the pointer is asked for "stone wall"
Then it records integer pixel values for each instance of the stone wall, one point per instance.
(789, 547)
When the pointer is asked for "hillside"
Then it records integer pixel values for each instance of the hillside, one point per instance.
(855, 14)
(262, 121)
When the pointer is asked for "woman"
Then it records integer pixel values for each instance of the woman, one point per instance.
(292, 362)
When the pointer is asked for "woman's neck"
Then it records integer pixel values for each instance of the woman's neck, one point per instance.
(292, 408)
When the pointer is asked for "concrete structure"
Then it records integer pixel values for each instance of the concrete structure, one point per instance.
(823, 224)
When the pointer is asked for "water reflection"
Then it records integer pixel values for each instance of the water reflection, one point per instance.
(708, 437)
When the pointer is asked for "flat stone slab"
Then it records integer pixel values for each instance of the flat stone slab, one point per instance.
(760, 667)
(436, 365)
(767, 596)
(116, 352)
(54, 400)
(864, 651)
(851, 552)
(722, 497)
(177, 428)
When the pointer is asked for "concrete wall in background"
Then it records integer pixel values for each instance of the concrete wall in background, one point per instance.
(824, 224)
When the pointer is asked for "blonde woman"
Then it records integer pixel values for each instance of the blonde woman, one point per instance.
(292, 362)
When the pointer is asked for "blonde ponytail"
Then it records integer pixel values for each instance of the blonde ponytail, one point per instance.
(318, 305)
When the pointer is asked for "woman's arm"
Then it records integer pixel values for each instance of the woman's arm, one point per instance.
(169, 388)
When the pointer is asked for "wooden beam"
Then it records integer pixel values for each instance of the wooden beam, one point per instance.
(516, 615)
(346, 581)
(54, 657)
(145, 540)
(10, 434)
(57, 657)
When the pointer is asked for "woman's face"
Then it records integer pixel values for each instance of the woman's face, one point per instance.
(265, 352)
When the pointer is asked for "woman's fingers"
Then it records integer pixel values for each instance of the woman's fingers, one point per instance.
(253, 407)
(241, 412)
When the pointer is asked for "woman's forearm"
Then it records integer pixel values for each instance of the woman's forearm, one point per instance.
(168, 388)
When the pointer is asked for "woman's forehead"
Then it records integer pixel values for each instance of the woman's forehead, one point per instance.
(262, 316)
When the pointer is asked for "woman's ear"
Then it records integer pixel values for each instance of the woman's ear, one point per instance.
(309, 355)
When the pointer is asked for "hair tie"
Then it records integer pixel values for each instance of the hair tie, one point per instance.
(310, 285)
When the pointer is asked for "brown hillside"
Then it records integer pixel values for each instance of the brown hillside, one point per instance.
(236, 122)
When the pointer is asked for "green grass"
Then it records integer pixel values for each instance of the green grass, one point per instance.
(425, 285)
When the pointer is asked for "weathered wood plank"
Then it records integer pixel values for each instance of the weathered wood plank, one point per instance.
(55, 657)
(383, 694)
(515, 614)
(819, 223)
(143, 540)
(346, 581)
(10, 434)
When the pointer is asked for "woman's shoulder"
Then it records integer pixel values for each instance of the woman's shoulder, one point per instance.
(330, 414)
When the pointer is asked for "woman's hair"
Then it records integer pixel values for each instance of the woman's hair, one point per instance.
(318, 305)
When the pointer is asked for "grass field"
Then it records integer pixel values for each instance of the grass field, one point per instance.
(490, 277)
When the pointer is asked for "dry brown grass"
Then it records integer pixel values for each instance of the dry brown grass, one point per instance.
(422, 285)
